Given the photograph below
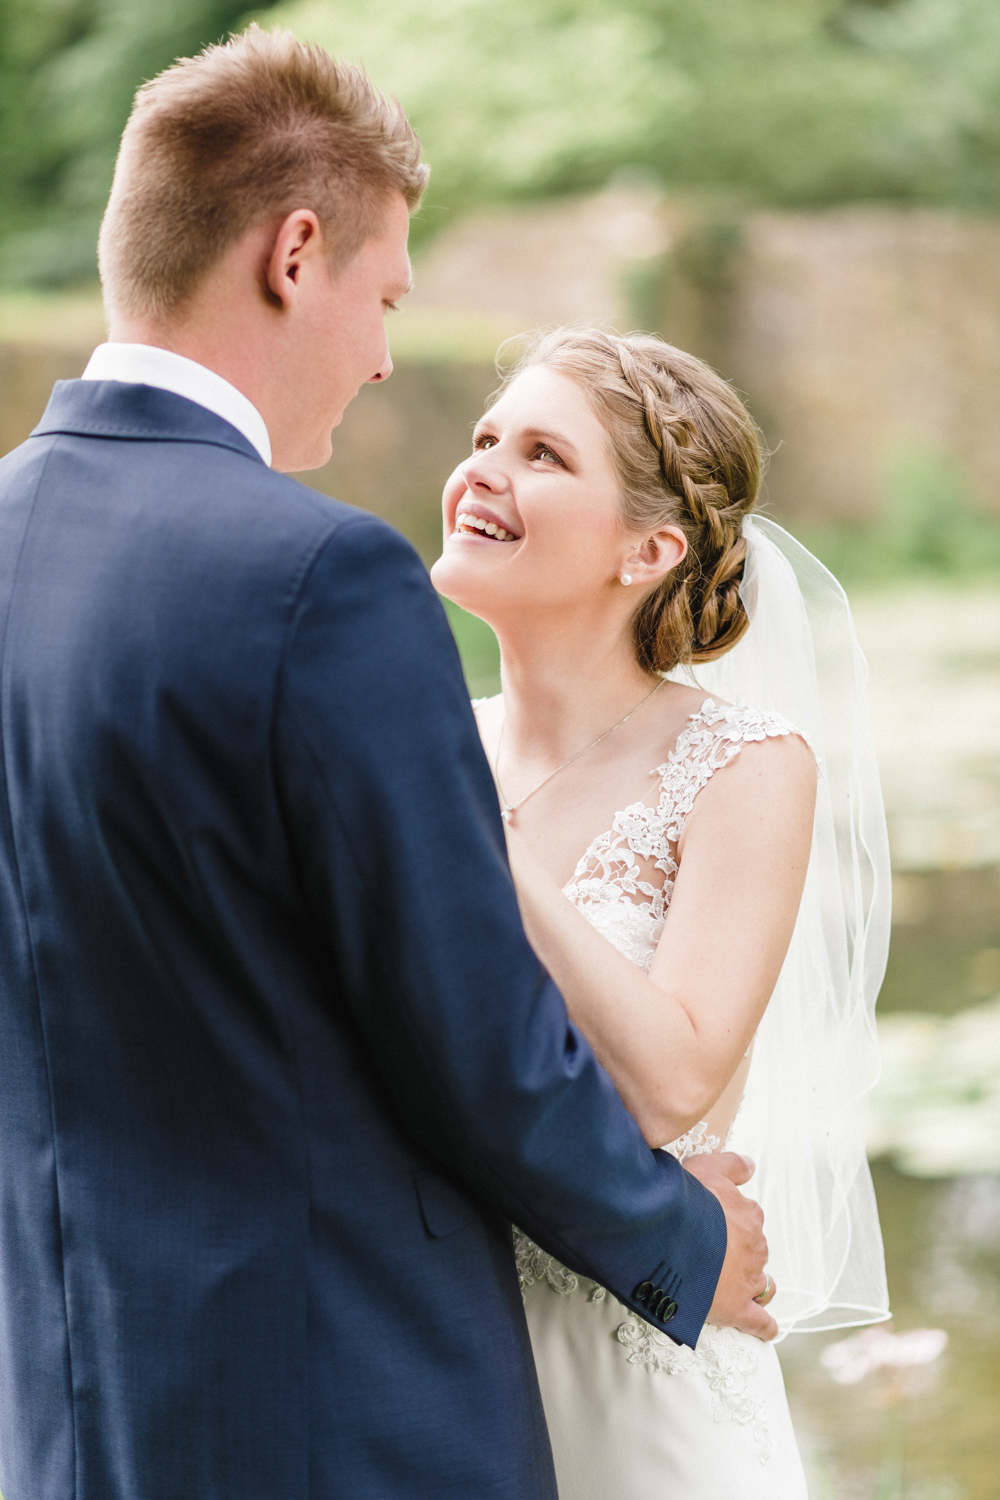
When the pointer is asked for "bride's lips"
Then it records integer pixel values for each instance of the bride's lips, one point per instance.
(492, 528)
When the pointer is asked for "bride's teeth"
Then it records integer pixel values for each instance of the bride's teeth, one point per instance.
(476, 523)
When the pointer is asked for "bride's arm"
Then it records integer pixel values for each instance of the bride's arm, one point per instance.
(672, 1040)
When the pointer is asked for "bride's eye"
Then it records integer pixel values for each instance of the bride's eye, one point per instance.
(483, 441)
(547, 454)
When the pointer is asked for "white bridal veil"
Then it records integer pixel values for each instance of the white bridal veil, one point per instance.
(805, 1112)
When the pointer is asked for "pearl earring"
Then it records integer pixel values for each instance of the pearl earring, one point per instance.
(626, 579)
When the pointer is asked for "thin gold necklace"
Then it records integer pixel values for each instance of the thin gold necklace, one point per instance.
(508, 809)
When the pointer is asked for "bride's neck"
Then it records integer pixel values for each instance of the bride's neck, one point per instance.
(565, 684)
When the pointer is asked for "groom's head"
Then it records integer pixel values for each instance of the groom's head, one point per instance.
(258, 223)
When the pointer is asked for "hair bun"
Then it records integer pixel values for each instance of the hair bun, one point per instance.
(722, 610)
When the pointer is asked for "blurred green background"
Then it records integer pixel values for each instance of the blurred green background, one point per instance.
(807, 194)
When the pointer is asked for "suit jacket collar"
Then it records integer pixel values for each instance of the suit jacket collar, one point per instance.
(112, 409)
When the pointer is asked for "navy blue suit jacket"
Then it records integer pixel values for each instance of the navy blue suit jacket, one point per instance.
(277, 1065)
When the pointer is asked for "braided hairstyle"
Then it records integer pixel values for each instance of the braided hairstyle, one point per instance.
(687, 454)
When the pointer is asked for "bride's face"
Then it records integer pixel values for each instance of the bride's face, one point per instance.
(531, 519)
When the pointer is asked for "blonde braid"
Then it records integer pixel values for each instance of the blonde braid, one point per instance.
(694, 614)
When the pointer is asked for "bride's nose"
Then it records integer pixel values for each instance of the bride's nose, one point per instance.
(484, 472)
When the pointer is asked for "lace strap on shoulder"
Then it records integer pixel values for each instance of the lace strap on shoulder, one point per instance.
(739, 724)
(714, 736)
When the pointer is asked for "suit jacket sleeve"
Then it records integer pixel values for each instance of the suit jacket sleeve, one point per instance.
(394, 818)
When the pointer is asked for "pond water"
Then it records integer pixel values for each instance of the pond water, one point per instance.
(942, 1238)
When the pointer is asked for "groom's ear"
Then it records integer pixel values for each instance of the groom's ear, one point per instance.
(298, 239)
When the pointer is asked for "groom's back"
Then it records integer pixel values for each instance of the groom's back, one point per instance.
(205, 1202)
(135, 1140)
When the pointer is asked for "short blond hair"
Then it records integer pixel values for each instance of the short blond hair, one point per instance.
(245, 132)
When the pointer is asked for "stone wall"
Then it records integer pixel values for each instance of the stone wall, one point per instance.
(28, 372)
(855, 335)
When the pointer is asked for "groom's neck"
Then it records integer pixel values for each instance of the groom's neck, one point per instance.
(222, 325)
(190, 340)
(230, 326)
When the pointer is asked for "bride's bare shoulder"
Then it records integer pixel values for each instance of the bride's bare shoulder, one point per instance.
(684, 701)
(691, 700)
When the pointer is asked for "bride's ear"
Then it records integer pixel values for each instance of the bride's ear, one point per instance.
(650, 561)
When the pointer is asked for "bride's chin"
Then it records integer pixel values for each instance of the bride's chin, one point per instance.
(462, 585)
(451, 579)
(460, 567)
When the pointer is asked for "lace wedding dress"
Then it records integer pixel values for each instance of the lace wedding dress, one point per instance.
(631, 1415)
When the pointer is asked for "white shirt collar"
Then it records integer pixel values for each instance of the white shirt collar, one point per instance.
(145, 364)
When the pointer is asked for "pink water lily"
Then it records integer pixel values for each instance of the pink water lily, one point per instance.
(852, 1359)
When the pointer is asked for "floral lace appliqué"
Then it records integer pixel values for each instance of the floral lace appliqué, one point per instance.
(695, 1142)
(534, 1264)
(725, 1358)
(608, 884)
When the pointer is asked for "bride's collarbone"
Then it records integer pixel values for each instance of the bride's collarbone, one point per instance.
(561, 820)
(562, 826)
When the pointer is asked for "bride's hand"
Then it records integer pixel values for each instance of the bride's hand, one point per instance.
(744, 1286)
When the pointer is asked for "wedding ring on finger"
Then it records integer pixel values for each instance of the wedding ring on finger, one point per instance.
(762, 1296)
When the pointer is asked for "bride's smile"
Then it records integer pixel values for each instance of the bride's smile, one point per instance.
(532, 518)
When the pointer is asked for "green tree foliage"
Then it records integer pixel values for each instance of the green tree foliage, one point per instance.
(28, 38)
(794, 102)
(68, 72)
(791, 102)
